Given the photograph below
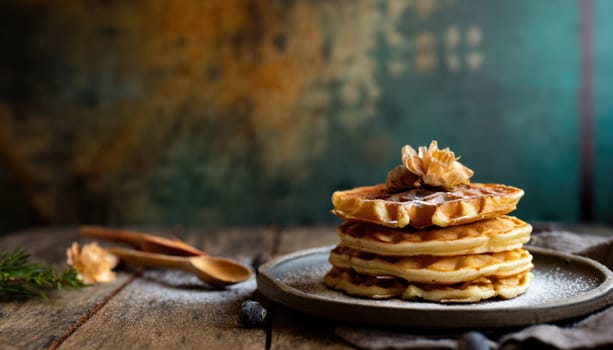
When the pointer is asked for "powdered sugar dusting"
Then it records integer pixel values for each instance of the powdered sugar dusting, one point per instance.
(183, 288)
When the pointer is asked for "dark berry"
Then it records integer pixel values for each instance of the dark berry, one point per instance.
(473, 341)
(252, 314)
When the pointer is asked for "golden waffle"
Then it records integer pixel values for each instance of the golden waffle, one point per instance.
(433, 269)
(382, 287)
(422, 207)
(487, 236)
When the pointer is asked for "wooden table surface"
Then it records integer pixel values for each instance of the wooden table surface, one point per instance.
(160, 309)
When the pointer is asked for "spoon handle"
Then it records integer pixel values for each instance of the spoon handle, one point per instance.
(142, 241)
(135, 257)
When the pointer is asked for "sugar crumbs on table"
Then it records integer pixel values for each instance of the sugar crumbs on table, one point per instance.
(252, 314)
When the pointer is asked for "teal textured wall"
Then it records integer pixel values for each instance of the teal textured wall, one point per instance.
(603, 95)
(253, 111)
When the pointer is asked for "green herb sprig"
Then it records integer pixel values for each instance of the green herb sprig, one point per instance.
(20, 276)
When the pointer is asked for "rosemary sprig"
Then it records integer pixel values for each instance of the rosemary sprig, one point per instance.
(20, 276)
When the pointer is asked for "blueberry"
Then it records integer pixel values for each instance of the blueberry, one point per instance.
(252, 314)
(473, 341)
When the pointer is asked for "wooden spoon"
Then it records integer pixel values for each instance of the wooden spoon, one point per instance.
(142, 241)
(212, 270)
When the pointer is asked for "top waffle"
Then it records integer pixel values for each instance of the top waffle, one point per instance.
(422, 207)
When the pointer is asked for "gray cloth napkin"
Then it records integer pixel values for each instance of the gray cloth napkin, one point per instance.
(595, 331)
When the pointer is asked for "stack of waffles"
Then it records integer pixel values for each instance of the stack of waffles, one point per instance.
(429, 233)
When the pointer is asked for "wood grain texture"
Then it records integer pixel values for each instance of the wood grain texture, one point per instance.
(170, 309)
(34, 323)
(298, 238)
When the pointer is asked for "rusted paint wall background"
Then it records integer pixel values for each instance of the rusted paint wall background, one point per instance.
(254, 111)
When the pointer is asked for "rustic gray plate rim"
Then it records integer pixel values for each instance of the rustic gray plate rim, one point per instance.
(592, 283)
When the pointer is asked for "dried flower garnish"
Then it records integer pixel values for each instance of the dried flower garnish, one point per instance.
(401, 178)
(93, 263)
(428, 166)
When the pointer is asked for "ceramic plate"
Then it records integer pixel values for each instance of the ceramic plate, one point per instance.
(564, 286)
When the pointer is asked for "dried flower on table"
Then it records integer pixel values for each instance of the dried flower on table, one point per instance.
(93, 263)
